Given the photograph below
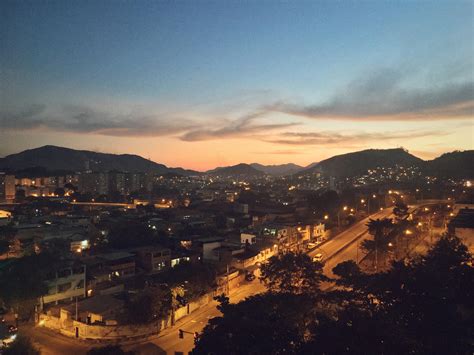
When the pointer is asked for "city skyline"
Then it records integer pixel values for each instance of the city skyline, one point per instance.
(204, 86)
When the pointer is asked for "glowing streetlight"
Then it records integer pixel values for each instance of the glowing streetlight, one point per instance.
(390, 244)
(345, 208)
(362, 201)
(408, 232)
(326, 216)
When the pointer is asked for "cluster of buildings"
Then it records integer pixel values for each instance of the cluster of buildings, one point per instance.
(213, 228)
(88, 182)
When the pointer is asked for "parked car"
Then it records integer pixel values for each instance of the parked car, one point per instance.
(312, 245)
(250, 276)
(318, 257)
(7, 335)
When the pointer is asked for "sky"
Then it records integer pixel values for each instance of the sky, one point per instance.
(201, 84)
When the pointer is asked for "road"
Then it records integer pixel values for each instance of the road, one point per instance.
(51, 343)
(344, 246)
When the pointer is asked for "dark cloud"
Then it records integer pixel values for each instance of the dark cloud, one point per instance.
(83, 119)
(333, 138)
(382, 95)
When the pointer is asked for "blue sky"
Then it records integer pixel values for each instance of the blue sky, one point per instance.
(200, 83)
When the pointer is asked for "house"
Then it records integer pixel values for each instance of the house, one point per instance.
(66, 283)
(255, 254)
(153, 258)
(94, 310)
(108, 266)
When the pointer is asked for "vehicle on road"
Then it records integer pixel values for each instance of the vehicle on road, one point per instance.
(250, 276)
(318, 257)
(7, 335)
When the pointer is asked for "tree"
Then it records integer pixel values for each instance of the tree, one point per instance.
(7, 233)
(292, 273)
(425, 303)
(70, 187)
(270, 323)
(130, 234)
(378, 228)
(59, 192)
(21, 346)
(20, 195)
(400, 210)
(25, 279)
(150, 304)
(420, 306)
(348, 272)
(198, 279)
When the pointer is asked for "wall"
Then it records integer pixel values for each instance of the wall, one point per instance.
(67, 326)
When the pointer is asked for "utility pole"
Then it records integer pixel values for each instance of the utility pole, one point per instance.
(376, 254)
(227, 280)
(76, 309)
(357, 252)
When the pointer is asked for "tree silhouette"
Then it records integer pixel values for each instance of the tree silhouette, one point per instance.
(379, 245)
(292, 273)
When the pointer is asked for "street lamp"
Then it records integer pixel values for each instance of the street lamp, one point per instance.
(326, 217)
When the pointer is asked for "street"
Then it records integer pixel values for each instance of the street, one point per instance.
(344, 246)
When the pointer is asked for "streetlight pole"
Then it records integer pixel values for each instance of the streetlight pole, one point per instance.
(357, 252)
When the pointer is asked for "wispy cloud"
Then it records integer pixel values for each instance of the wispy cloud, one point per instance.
(243, 127)
(85, 119)
(281, 152)
(382, 96)
(335, 138)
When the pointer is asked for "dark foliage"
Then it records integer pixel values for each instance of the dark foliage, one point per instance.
(292, 273)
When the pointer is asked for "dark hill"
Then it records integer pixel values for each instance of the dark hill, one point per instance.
(357, 163)
(278, 170)
(236, 170)
(55, 158)
(455, 164)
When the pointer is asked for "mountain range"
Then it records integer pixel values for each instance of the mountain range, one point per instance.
(459, 164)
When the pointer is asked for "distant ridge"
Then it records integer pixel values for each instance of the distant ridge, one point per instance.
(456, 164)
(236, 170)
(357, 163)
(55, 158)
(459, 164)
(278, 170)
